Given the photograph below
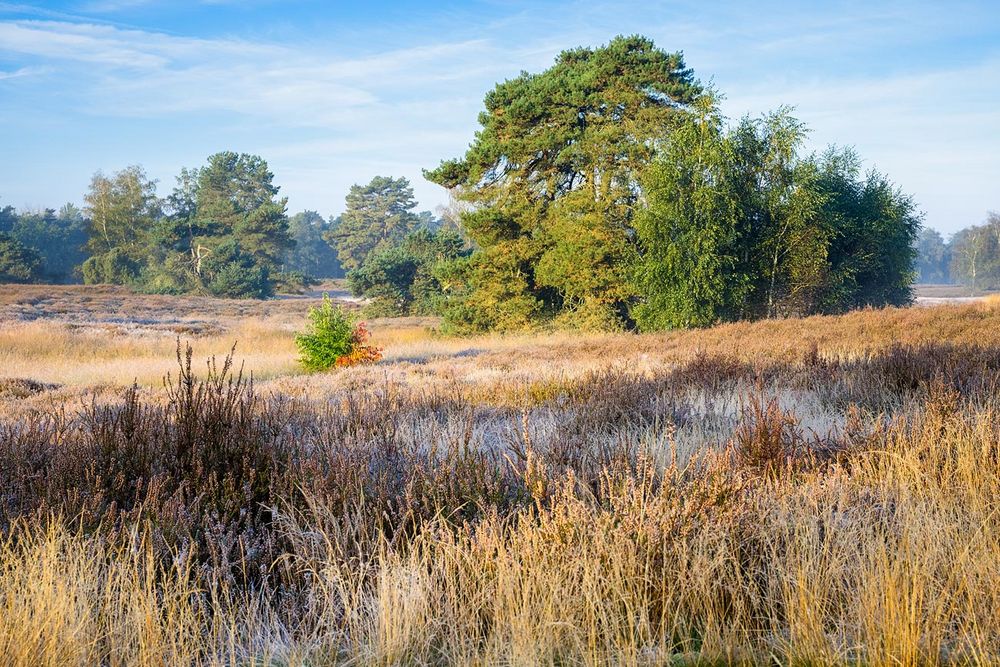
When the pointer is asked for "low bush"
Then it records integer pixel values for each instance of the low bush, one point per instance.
(334, 338)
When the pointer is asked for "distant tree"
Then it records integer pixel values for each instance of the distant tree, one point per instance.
(121, 210)
(439, 219)
(311, 255)
(405, 279)
(223, 220)
(378, 215)
(59, 238)
(975, 255)
(18, 262)
(552, 181)
(933, 257)
(114, 267)
(236, 190)
(8, 218)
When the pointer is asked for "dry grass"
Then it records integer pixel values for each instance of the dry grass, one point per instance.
(85, 336)
(817, 491)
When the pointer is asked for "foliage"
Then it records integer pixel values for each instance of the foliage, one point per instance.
(873, 227)
(58, 238)
(975, 255)
(378, 215)
(114, 267)
(18, 262)
(225, 220)
(236, 192)
(334, 338)
(404, 279)
(552, 181)
(230, 271)
(223, 230)
(688, 272)
(738, 226)
(489, 291)
(311, 255)
(121, 210)
(933, 257)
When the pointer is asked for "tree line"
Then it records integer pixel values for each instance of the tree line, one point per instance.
(971, 257)
(605, 192)
(222, 231)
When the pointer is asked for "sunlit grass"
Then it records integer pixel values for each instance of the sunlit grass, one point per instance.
(786, 492)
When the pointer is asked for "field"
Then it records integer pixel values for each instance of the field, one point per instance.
(803, 491)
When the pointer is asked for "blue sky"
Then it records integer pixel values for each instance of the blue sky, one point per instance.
(332, 93)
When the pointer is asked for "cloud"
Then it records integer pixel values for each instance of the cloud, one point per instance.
(147, 74)
(18, 73)
(107, 6)
(332, 112)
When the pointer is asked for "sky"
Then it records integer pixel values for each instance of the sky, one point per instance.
(332, 93)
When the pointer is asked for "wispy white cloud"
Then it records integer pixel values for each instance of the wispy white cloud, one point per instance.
(111, 6)
(327, 115)
(20, 72)
(101, 6)
(140, 73)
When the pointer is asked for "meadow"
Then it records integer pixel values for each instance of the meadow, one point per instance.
(814, 491)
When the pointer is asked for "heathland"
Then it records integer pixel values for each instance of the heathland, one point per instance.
(816, 490)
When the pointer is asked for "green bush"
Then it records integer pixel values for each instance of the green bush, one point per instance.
(234, 273)
(237, 280)
(114, 267)
(329, 337)
(403, 279)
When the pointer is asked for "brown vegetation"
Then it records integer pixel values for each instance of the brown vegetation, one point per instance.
(817, 491)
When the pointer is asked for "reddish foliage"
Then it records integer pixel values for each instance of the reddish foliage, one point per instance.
(361, 351)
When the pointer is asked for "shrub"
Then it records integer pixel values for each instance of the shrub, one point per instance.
(334, 338)
(238, 280)
(114, 267)
(234, 273)
(403, 279)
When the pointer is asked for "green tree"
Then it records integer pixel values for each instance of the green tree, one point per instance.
(236, 191)
(121, 210)
(782, 244)
(114, 267)
(552, 180)
(232, 272)
(59, 239)
(18, 262)
(334, 337)
(874, 227)
(975, 255)
(738, 226)
(933, 257)
(405, 279)
(311, 255)
(378, 215)
(222, 219)
(688, 270)
(8, 218)
(489, 290)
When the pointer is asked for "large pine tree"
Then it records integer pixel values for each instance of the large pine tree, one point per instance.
(552, 178)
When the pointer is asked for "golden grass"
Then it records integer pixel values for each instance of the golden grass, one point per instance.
(892, 561)
(884, 555)
(89, 347)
